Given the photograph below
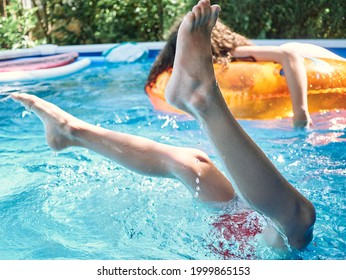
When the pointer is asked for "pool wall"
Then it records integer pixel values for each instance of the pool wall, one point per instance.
(94, 51)
(338, 46)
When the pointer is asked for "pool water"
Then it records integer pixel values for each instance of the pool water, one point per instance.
(79, 205)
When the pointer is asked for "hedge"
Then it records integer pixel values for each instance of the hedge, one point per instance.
(69, 22)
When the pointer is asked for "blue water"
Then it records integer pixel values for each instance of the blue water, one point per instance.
(79, 205)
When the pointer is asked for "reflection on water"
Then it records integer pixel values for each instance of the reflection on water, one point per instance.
(76, 204)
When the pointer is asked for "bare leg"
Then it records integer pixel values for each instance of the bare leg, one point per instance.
(136, 153)
(193, 88)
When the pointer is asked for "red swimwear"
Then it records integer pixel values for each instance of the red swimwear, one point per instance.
(235, 232)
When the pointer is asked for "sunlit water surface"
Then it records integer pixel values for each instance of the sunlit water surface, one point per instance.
(79, 205)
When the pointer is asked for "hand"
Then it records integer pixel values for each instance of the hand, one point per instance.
(302, 121)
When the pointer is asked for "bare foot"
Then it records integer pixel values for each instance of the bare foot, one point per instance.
(58, 124)
(193, 73)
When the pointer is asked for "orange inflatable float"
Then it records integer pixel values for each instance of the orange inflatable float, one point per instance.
(258, 90)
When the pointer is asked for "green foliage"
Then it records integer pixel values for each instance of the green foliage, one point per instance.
(15, 28)
(65, 22)
(290, 19)
(109, 21)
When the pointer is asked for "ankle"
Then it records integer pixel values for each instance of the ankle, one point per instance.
(74, 131)
(204, 97)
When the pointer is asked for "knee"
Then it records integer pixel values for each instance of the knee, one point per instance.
(192, 163)
(308, 216)
(198, 172)
(305, 220)
(196, 159)
(200, 156)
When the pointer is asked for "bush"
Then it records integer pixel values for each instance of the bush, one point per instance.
(16, 27)
(65, 22)
(290, 19)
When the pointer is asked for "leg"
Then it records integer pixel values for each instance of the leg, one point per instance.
(139, 154)
(193, 88)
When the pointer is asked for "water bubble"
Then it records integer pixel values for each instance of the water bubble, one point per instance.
(25, 113)
(280, 159)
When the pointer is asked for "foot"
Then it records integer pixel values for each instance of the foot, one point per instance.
(193, 73)
(58, 124)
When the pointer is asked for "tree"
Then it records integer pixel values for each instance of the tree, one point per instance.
(65, 22)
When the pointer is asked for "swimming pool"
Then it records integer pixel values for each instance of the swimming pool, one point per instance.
(79, 205)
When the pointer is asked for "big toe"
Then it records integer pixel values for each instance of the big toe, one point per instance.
(215, 10)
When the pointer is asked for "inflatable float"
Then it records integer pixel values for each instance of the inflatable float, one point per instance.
(258, 90)
(33, 69)
(41, 50)
(36, 63)
(127, 52)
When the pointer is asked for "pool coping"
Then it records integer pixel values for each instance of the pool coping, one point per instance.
(97, 49)
(156, 46)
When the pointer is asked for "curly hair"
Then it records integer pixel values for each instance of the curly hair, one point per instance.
(223, 41)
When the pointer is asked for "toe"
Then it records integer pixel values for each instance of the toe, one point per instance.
(189, 20)
(198, 15)
(206, 11)
(215, 10)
